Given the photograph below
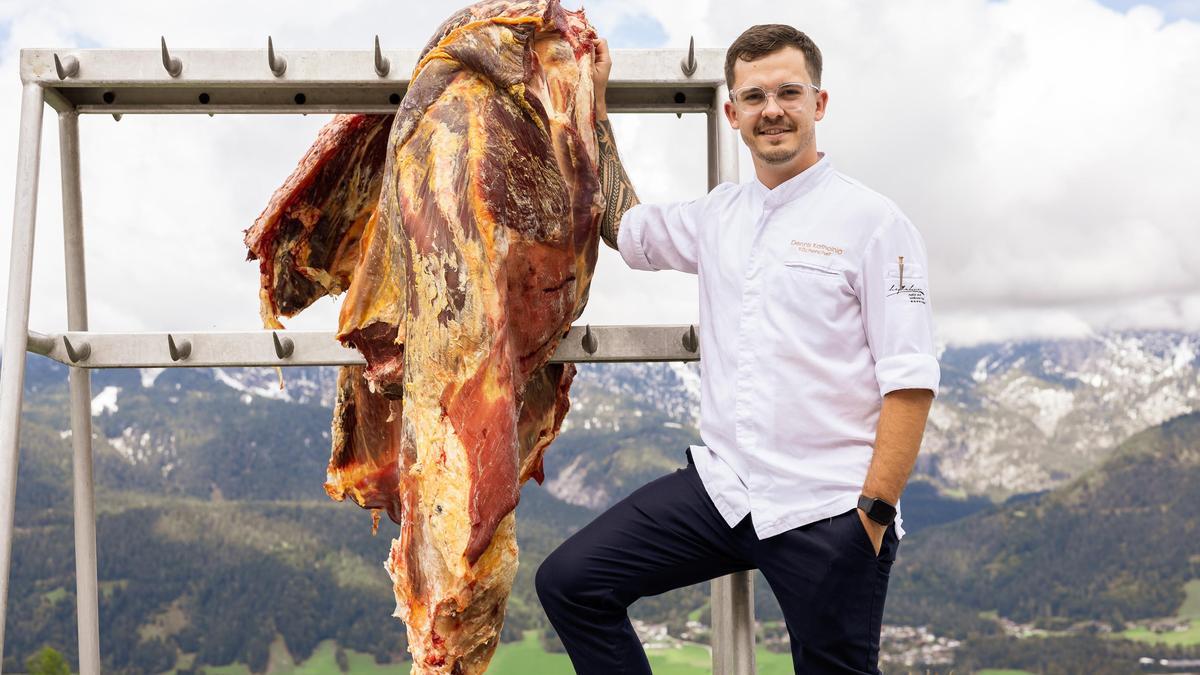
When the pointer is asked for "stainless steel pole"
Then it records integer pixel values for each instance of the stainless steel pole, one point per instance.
(714, 162)
(733, 625)
(732, 596)
(86, 592)
(16, 324)
(727, 138)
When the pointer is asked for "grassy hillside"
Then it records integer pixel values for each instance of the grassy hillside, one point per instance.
(219, 549)
(1188, 614)
(525, 657)
(1117, 544)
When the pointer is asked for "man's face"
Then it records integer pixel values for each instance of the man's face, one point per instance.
(777, 137)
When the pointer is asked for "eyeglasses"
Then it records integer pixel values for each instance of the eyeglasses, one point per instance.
(789, 96)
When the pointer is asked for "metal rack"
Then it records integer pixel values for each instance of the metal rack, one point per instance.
(278, 81)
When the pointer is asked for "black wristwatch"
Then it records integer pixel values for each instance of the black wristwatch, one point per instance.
(877, 510)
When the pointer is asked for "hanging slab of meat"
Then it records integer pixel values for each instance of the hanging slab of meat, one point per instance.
(468, 268)
(307, 239)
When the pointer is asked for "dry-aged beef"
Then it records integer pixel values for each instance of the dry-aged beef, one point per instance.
(307, 238)
(466, 249)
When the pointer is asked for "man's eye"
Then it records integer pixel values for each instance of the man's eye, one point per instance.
(791, 93)
(753, 96)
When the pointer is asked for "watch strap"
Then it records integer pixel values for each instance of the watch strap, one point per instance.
(877, 510)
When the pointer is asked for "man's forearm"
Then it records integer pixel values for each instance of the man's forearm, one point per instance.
(618, 192)
(897, 441)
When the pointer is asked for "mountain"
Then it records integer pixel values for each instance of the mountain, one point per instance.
(217, 542)
(214, 538)
(1116, 544)
(210, 478)
(215, 530)
(1027, 416)
(1011, 417)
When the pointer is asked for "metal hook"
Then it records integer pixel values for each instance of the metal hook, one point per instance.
(689, 65)
(382, 64)
(77, 355)
(278, 63)
(117, 117)
(180, 351)
(690, 341)
(68, 66)
(589, 341)
(283, 346)
(173, 65)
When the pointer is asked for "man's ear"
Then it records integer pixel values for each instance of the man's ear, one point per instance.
(731, 115)
(822, 104)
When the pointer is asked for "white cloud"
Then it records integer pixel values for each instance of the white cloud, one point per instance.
(1045, 148)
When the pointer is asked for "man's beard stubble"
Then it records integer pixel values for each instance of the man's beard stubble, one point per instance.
(783, 155)
(778, 155)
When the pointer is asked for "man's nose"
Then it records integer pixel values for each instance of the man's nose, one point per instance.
(772, 108)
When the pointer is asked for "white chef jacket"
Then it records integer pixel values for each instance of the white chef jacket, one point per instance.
(814, 303)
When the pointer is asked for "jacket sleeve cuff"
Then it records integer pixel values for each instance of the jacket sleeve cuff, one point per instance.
(907, 371)
(629, 241)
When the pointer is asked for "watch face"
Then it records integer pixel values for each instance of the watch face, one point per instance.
(879, 510)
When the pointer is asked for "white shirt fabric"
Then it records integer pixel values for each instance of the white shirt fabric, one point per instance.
(808, 316)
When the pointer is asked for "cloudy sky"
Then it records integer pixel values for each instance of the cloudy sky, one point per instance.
(1045, 148)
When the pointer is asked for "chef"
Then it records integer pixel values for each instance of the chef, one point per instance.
(817, 375)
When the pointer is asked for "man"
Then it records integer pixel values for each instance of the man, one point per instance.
(817, 375)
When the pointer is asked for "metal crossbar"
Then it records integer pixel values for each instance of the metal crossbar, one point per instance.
(136, 81)
(121, 81)
(82, 349)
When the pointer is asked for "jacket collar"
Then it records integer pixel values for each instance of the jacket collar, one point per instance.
(795, 186)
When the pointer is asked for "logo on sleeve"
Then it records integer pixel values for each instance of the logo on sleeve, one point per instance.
(911, 288)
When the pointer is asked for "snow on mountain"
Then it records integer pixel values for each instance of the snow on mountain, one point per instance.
(1023, 416)
(149, 375)
(571, 485)
(671, 388)
(236, 384)
(105, 401)
(300, 385)
(1010, 417)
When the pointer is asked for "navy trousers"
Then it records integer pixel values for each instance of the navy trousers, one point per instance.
(668, 534)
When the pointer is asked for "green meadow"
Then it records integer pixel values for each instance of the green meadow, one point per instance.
(1190, 610)
(518, 658)
(528, 658)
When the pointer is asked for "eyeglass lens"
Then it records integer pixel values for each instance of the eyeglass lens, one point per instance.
(753, 98)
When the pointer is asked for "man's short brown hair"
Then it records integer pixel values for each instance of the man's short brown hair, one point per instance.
(768, 38)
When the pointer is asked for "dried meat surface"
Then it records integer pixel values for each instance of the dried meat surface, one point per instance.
(461, 277)
(307, 239)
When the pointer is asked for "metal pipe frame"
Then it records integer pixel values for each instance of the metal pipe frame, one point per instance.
(80, 384)
(732, 596)
(16, 324)
(118, 82)
(123, 81)
(613, 344)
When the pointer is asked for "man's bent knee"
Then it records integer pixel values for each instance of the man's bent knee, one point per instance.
(563, 580)
(553, 581)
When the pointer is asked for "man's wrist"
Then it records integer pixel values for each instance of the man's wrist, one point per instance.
(878, 510)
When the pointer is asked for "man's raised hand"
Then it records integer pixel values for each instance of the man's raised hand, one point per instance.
(601, 67)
